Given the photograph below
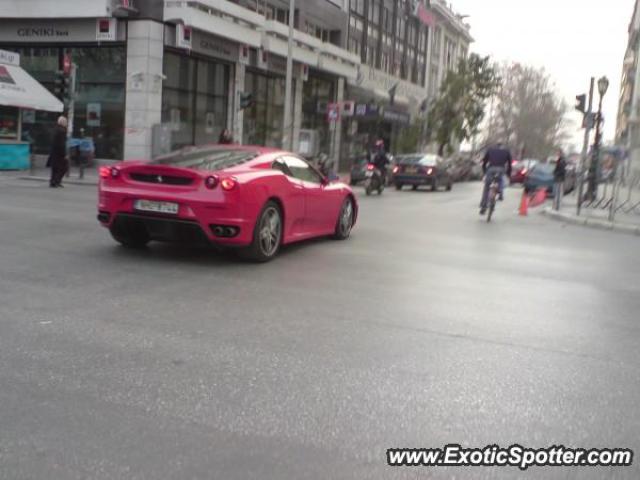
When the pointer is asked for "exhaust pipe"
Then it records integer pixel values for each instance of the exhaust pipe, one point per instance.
(229, 232)
(219, 231)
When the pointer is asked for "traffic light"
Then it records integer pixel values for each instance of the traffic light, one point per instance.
(581, 103)
(246, 100)
(62, 86)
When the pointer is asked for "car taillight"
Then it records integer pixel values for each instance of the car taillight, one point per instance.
(370, 166)
(211, 182)
(429, 171)
(524, 171)
(106, 172)
(396, 169)
(228, 184)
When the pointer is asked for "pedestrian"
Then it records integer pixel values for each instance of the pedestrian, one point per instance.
(225, 137)
(58, 160)
(559, 175)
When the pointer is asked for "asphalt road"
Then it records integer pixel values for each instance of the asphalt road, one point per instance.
(427, 327)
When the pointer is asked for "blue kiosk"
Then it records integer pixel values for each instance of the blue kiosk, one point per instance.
(19, 91)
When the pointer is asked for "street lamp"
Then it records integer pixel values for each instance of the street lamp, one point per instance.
(592, 193)
(287, 137)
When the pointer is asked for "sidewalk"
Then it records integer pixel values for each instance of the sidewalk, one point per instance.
(594, 217)
(40, 173)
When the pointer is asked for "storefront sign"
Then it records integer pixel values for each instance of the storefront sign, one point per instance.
(67, 30)
(214, 46)
(9, 58)
(396, 117)
(94, 114)
(106, 29)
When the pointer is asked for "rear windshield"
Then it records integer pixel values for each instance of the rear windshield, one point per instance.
(208, 159)
(427, 161)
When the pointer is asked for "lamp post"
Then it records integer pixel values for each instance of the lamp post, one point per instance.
(592, 193)
(287, 137)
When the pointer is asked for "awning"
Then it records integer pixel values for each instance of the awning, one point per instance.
(19, 89)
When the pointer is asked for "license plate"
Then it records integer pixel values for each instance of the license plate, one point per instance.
(412, 170)
(368, 174)
(157, 207)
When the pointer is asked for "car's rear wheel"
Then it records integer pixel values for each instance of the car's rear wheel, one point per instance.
(131, 236)
(267, 234)
(449, 186)
(344, 223)
(434, 186)
(399, 186)
(414, 187)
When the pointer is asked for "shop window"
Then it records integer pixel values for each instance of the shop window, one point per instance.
(263, 120)
(99, 108)
(9, 123)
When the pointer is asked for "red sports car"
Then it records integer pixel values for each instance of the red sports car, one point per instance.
(253, 198)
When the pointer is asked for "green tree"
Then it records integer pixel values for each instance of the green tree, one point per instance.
(460, 107)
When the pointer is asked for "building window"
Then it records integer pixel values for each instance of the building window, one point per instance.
(97, 90)
(194, 99)
(263, 120)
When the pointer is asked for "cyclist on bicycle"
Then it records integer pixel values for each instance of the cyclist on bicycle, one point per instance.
(496, 162)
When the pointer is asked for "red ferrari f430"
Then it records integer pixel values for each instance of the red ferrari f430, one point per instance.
(253, 198)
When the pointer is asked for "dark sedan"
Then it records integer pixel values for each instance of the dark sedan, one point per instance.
(421, 169)
(541, 176)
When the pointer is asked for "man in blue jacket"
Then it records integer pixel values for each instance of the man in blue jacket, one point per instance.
(496, 162)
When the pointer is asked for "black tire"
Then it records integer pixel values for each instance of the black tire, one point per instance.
(399, 186)
(449, 186)
(130, 236)
(344, 223)
(262, 250)
(490, 212)
(414, 187)
(434, 186)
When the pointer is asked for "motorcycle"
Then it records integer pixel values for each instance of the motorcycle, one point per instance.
(373, 180)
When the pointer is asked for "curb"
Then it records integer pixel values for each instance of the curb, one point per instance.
(592, 222)
(90, 183)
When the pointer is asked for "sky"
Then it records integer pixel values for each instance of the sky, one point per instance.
(572, 39)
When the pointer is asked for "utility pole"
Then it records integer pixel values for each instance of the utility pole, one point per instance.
(585, 145)
(287, 139)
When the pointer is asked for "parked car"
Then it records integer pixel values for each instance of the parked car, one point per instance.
(461, 168)
(541, 176)
(252, 198)
(421, 169)
(520, 169)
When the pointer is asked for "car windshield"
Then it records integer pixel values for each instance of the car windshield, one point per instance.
(427, 161)
(208, 159)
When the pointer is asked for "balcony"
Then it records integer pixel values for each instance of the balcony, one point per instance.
(242, 25)
(56, 9)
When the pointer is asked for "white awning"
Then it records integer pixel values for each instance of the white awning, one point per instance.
(19, 89)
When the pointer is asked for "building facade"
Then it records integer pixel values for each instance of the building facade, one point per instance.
(628, 121)
(154, 74)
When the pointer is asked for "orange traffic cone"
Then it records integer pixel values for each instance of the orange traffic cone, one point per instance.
(524, 204)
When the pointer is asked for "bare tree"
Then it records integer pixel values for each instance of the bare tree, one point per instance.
(528, 116)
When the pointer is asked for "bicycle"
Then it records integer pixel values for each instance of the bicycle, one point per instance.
(494, 188)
